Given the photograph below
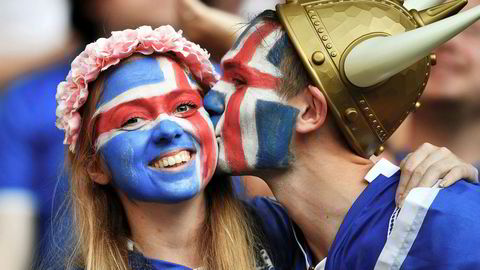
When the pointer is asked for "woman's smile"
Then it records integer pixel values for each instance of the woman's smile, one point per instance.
(173, 161)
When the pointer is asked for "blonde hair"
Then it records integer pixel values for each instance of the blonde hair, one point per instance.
(225, 242)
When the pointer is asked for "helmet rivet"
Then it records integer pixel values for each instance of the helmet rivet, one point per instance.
(379, 150)
(318, 58)
(433, 59)
(351, 114)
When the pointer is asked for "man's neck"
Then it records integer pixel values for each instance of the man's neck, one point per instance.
(167, 231)
(452, 126)
(319, 190)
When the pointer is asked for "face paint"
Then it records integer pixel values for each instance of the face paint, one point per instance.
(154, 133)
(254, 125)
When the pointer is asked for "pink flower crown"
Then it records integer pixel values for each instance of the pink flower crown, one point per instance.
(104, 53)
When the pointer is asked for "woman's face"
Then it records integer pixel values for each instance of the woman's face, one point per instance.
(153, 132)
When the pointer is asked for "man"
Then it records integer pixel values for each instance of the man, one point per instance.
(275, 121)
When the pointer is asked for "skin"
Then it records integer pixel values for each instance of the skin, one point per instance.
(320, 184)
(455, 77)
(151, 111)
(122, 14)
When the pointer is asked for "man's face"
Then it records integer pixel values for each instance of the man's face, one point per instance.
(153, 132)
(456, 75)
(254, 125)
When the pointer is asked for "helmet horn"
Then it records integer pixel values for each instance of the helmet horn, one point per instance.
(388, 56)
(439, 12)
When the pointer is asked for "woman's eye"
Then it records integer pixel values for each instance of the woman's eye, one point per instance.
(183, 108)
(132, 123)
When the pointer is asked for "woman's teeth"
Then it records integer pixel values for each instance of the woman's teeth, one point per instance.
(172, 161)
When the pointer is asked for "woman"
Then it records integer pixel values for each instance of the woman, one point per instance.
(142, 153)
(142, 156)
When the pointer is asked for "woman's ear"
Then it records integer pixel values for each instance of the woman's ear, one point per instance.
(98, 175)
(313, 110)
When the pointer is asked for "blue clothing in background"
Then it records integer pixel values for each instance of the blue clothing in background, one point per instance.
(435, 229)
(31, 147)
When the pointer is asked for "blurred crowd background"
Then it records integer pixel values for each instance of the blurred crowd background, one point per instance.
(39, 39)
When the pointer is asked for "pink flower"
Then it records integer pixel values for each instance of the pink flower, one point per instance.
(106, 52)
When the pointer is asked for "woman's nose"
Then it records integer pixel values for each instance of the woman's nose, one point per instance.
(166, 131)
(214, 103)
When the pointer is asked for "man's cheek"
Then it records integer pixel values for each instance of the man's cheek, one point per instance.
(275, 123)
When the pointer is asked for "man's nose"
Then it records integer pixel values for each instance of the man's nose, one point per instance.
(166, 131)
(214, 103)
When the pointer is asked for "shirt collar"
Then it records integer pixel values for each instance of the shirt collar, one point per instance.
(383, 167)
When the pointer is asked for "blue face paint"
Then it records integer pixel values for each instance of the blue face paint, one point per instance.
(130, 75)
(153, 132)
(129, 157)
(275, 124)
(215, 102)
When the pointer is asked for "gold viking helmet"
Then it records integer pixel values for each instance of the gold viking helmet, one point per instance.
(371, 58)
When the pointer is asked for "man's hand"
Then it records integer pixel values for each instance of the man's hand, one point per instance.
(428, 164)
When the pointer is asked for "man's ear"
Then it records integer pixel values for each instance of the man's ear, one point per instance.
(97, 174)
(313, 110)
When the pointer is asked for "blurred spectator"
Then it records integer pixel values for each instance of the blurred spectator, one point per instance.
(215, 23)
(251, 8)
(46, 22)
(208, 25)
(450, 111)
(39, 36)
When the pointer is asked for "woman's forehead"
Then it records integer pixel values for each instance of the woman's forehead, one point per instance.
(162, 72)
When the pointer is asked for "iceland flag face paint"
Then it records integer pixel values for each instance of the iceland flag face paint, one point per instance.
(254, 125)
(153, 132)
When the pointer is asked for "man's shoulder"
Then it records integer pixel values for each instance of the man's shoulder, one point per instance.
(436, 229)
(455, 203)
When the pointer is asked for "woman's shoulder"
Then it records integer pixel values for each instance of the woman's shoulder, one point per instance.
(282, 240)
(269, 212)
